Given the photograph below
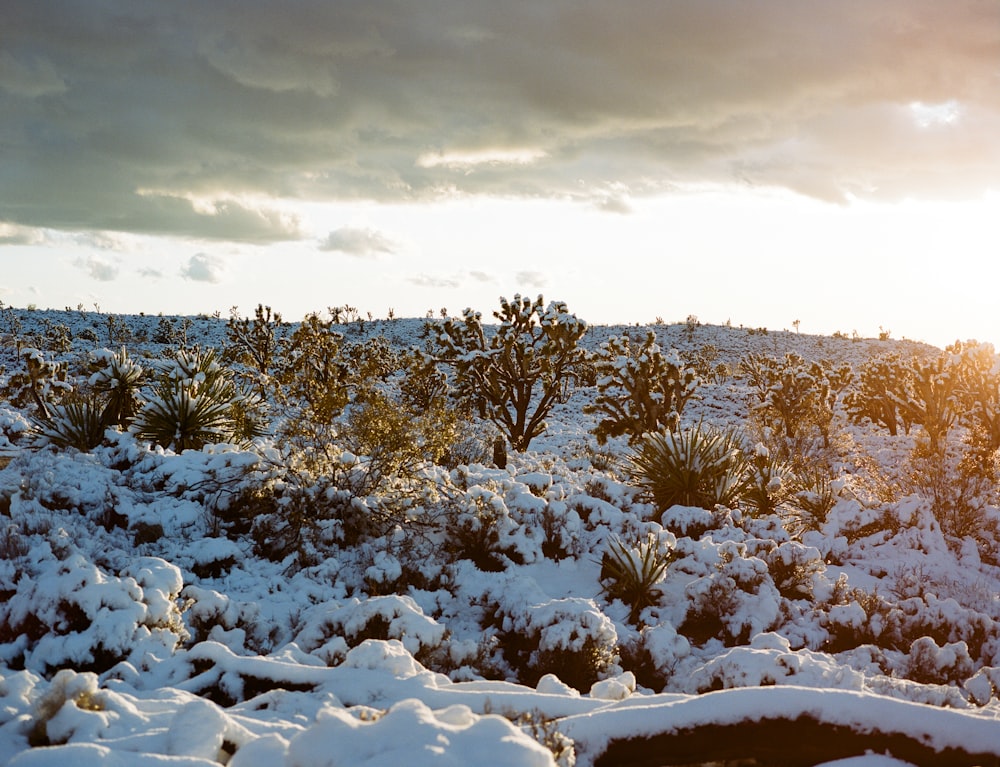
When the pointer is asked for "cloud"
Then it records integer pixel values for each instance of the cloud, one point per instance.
(20, 235)
(531, 279)
(357, 242)
(175, 127)
(428, 281)
(98, 268)
(202, 267)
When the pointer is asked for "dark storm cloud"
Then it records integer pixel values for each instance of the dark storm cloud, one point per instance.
(143, 116)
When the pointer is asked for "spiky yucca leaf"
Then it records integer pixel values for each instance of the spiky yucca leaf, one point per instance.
(76, 424)
(120, 382)
(633, 574)
(700, 466)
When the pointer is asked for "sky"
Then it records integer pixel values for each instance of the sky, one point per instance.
(831, 164)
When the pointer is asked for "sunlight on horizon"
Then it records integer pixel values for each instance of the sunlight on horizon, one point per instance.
(922, 270)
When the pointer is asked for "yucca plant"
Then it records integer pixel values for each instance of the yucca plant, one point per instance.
(633, 574)
(196, 403)
(119, 382)
(768, 482)
(812, 498)
(76, 423)
(701, 466)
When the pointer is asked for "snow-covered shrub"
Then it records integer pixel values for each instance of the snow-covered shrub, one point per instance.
(516, 374)
(795, 569)
(311, 377)
(71, 613)
(570, 638)
(640, 390)
(255, 342)
(372, 360)
(767, 483)
(633, 573)
(330, 631)
(68, 688)
(734, 602)
(478, 527)
(929, 663)
(700, 466)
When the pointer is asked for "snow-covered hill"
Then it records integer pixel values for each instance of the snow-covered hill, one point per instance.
(142, 624)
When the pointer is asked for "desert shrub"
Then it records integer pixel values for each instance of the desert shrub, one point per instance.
(640, 390)
(373, 359)
(794, 568)
(166, 332)
(423, 384)
(394, 440)
(882, 382)
(56, 337)
(67, 687)
(71, 613)
(570, 638)
(515, 375)
(330, 631)
(734, 602)
(959, 493)
(253, 342)
(811, 496)
(477, 526)
(929, 663)
(632, 573)
(195, 402)
(699, 466)
(312, 378)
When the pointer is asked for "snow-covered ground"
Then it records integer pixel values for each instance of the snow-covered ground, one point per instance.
(138, 629)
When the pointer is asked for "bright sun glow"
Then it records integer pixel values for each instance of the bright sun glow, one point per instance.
(931, 115)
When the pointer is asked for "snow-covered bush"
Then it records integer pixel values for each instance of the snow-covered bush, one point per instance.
(478, 527)
(734, 602)
(311, 381)
(516, 374)
(71, 613)
(640, 390)
(68, 688)
(329, 631)
(253, 342)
